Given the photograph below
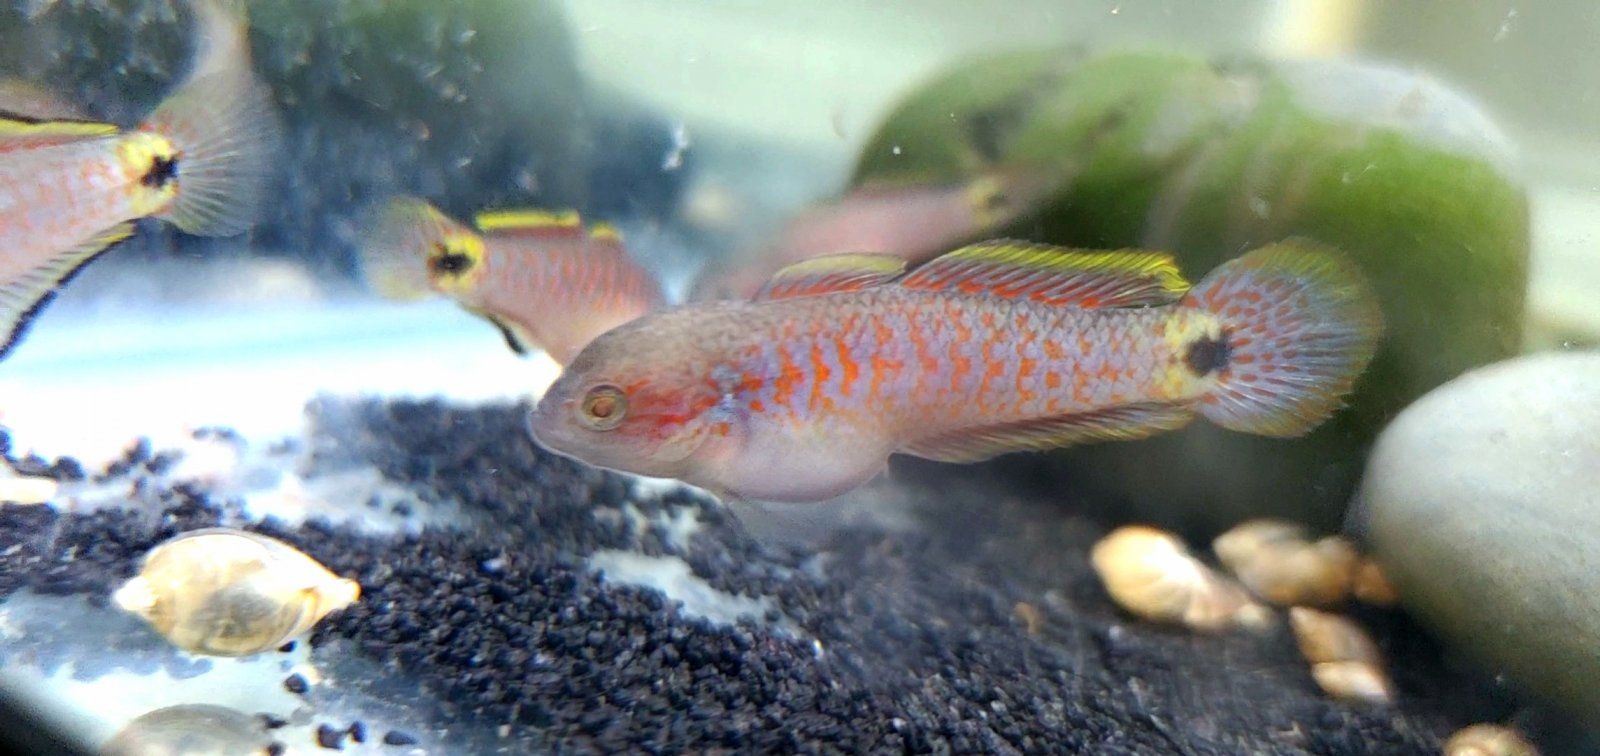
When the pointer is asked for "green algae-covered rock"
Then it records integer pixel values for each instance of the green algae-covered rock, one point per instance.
(1206, 159)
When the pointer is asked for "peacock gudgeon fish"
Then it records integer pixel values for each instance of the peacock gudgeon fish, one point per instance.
(804, 392)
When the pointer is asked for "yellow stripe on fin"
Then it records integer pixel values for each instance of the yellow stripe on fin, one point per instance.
(1054, 275)
(605, 232)
(1126, 422)
(18, 132)
(527, 221)
(831, 273)
(22, 300)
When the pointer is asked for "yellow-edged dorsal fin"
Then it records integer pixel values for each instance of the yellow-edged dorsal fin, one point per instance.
(23, 298)
(531, 222)
(605, 232)
(1054, 275)
(21, 132)
(832, 273)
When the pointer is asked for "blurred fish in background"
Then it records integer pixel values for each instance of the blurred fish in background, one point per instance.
(71, 188)
(542, 278)
(910, 220)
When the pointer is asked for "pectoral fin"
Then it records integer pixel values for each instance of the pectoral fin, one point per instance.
(23, 298)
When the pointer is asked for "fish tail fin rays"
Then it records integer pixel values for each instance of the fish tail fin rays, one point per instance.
(22, 299)
(394, 251)
(225, 131)
(1299, 325)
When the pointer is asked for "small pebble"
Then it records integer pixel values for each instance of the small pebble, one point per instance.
(358, 731)
(327, 737)
(271, 722)
(296, 684)
(398, 738)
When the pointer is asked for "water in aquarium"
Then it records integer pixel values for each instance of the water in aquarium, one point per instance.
(530, 376)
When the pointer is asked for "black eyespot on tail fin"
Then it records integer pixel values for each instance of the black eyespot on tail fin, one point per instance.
(1208, 355)
(162, 171)
(449, 262)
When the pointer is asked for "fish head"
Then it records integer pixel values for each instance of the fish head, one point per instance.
(411, 248)
(644, 398)
(150, 163)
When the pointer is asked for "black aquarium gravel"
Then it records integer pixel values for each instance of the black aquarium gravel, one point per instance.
(981, 629)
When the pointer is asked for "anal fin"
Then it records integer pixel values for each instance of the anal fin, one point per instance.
(1121, 423)
(515, 337)
(832, 273)
(23, 298)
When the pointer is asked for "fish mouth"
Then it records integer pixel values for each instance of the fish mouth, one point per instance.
(544, 427)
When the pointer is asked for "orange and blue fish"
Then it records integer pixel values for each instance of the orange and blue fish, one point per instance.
(803, 393)
(540, 277)
(69, 189)
(910, 221)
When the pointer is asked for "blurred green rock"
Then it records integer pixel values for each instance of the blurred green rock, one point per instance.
(1207, 159)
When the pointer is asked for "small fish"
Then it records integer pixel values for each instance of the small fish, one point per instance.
(69, 189)
(998, 347)
(911, 222)
(538, 276)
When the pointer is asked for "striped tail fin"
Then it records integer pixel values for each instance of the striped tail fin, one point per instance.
(1299, 325)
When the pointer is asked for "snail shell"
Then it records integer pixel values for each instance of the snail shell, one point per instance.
(1488, 740)
(228, 592)
(1372, 586)
(1152, 575)
(190, 730)
(1275, 561)
(1344, 660)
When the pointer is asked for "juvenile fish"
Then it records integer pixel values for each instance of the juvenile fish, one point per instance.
(997, 347)
(913, 222)
(69, 189)
(540, 277)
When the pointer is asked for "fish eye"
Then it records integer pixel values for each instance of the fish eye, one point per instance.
(603, 407)
(446, 261)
